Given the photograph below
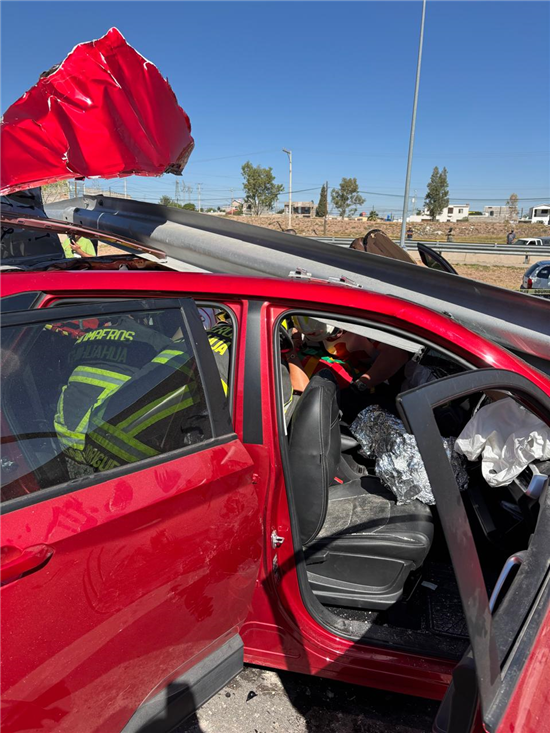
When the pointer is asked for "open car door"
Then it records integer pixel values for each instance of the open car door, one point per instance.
(434, 260)
(127, 571)
(508, 648)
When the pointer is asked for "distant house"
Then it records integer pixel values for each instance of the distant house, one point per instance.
(451, 213)
(454, 212)
(497, 213)
(233, 207)
(301, 208)
(541, 213)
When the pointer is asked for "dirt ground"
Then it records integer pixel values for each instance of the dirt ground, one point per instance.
(266, 701)
(504, 277)
(430, 231)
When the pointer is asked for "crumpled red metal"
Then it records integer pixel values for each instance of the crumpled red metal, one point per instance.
(105, 111)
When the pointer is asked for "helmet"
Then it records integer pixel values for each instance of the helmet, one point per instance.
(314, 331)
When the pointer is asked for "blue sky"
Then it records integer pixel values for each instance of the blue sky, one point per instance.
(333, 82)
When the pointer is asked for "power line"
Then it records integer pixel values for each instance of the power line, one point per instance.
(238, 155)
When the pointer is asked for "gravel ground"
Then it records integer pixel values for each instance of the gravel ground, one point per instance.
(264, 701)
(503, 276)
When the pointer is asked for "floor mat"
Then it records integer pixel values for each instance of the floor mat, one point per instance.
(444, 608)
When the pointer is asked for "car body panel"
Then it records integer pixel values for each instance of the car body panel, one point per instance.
(142, 607)
(62, 128)
(527, 708)
(144, 576)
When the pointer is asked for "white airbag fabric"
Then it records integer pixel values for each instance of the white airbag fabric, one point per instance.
(508, 437)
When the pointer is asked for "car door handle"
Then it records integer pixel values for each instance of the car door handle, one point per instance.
(15, 562)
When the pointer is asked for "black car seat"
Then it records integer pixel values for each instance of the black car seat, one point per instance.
(360, 546)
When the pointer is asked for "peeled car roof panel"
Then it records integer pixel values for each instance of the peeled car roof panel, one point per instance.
(105, 111)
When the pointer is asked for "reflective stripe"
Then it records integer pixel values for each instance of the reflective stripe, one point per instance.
(164, 413)
(151, 406)
(286, 405)
(107, 380)
(119, 443)
(115, 449)
(98, 377)
(172, 356)
(225, 389)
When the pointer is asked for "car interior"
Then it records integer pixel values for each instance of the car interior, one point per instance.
(377, 565)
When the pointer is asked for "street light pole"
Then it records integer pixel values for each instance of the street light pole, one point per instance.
(289, 153)
(413, 124)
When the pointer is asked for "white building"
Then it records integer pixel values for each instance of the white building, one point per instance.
(301, 208)
(497, 213)
(541, 213)
(452, 213)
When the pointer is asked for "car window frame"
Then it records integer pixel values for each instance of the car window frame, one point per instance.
(216, 402)
(221, 305)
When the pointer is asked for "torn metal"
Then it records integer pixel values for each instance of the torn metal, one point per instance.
(105, 111)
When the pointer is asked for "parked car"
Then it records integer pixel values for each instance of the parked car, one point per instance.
(166, 536)
(537, 277)
(533, 242)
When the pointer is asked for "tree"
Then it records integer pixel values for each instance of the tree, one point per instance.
(322, 206)
(166, 201)
(437, 197)
(512, 205)
(55, 192)
(373, 215)
(346, 197)
(261, 191)
(189, 207)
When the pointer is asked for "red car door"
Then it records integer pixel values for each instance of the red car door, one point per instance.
(125, 581)
(501, 684)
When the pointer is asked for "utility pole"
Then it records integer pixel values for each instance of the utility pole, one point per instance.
(326, 213)
(413, 125)
(125, 190)
(75, 191)
(231, 199)
(289, 153)
(177, 192)
(199, 187)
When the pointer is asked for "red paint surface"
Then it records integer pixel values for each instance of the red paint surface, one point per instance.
(529, 708)
(149, 572)
(106, 111)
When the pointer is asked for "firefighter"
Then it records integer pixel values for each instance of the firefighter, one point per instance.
(101, 361)
(159, 409)
(294, 380)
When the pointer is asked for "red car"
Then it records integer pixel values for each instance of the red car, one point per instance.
(183, 524)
